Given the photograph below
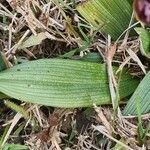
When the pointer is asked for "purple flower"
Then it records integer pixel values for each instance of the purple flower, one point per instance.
(142, 11)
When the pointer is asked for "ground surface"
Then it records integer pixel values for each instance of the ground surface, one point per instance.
(44, 127)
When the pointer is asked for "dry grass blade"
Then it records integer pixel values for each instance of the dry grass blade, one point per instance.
(104, 120)
(111, 50)
(33, 40)
(14, 121)
(101, 130)
(136, 59)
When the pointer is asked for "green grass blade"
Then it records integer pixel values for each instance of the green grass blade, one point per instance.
(62, 83)
(17, 108)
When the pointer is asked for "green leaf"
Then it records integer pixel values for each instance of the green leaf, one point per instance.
(72, 52)
(112, 15)
(140, 99)
(2, 136)
(92, 57)
(62, 83)
(33, 40)
(17, 108)
(2, 96)
(3, 64)
(144, 41)
(119, 146)
(15, 147)
(68, 54)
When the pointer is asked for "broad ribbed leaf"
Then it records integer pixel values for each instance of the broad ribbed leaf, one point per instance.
(140, 99)
(112, 15)
(3, 66)
(62, 83)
